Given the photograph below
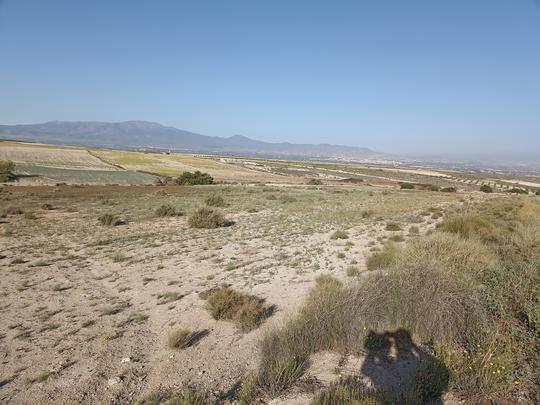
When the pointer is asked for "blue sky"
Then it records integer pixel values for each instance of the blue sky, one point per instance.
(396, 76)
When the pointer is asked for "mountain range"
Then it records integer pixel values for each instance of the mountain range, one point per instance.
(144, 135)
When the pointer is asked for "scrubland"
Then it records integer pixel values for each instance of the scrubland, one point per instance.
(230, 293)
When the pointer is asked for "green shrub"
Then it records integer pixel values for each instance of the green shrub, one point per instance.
(246, 311)
(193, 179)
(486, 188)
(406, 186)
(448, 189)
(6, 170)
(214, 201)
(167, 210)
(205, 217)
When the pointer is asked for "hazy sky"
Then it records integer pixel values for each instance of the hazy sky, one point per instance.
(396, 76)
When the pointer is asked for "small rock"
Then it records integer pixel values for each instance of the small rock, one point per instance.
(113, 381)
(126, 360)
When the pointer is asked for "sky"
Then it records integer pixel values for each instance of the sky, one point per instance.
(399, 76)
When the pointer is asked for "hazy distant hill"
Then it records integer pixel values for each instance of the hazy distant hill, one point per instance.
(150, 135)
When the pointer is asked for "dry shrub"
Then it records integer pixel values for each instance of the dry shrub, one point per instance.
(347, 391)
(205, 217)
(339, 234)
(179, 339)
(246, 311)
(383, 259)
(167, 210)
(392, 227)
(109, 219)
(215, 201)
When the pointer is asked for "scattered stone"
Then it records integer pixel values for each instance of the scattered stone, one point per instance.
(113, 381)
(126, 360)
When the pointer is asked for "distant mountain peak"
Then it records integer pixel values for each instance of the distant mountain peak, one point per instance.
(139, 134)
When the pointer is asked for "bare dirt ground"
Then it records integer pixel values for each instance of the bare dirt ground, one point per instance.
(86, 308)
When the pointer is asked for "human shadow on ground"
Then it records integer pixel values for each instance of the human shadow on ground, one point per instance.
(402, 370)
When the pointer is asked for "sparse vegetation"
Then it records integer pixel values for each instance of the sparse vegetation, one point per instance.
(340, 234)
(6, 170)
(246, 311)
(215, 200)
(167, 210)
(391, 226)
(315, 182)
(109, 219)
(486, 188)
(448, 189)
(205, 217)
(406, 186)
(179, 338)
(194, 179)
(384, 258)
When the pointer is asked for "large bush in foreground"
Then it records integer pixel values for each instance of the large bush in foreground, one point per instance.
(194, 179)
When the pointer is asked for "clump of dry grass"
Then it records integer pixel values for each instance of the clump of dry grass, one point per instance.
(245, 311)
(339, 234)
(215, 200)
(109, 219)
(167, 210)
(384, 258)
(179, 338)
(391, 226)
(427, 288)
(205, 217)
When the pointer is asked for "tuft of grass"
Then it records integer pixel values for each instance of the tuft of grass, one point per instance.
(109, 219)
(118, 257)
(391, 226)
(245, 311)
(396, 238)
(205, 217)
(339, 234)
(384, 258)
(188, 397)
(315, 182)
(167, 210)
(115, 309)
(347, 391)
(168, 297)
(215, 200)
(179, 338)
(352, 271)
(414, 230)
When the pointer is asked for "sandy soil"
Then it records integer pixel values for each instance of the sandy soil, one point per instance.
(83, 321)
